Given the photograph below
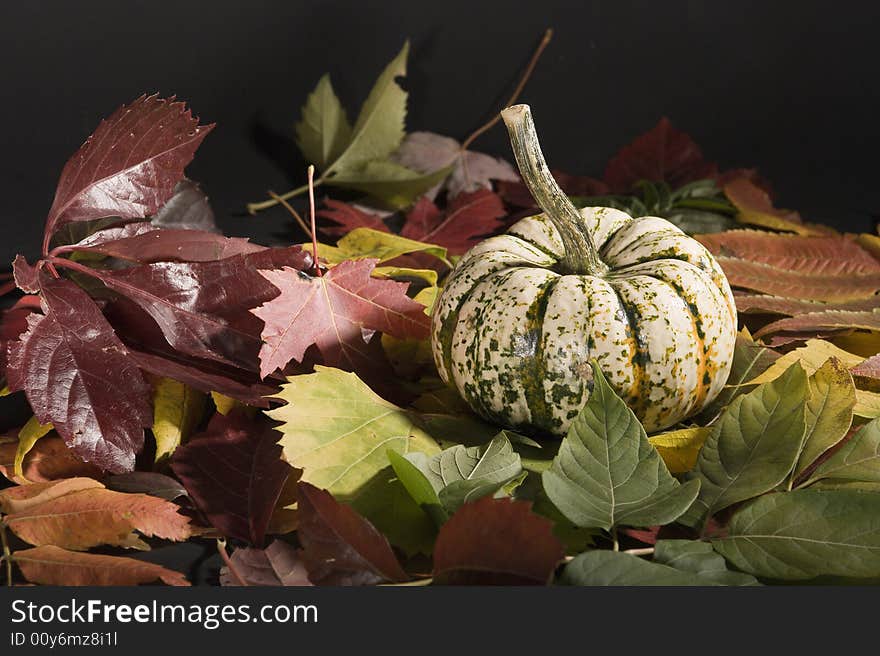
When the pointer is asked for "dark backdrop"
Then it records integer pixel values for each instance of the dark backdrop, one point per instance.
(790, 87)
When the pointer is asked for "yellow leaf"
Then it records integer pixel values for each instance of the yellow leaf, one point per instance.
(867, 404)
(226, 404)
(864, 344)
(5, 391)
(764, 220)
(384, 246)
(177, 408)
(870, 243)
(428, 275)
(680, 448)
(427, 297)
(32, 431)
(811, 355)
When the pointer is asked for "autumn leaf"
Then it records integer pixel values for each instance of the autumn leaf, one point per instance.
(468, 218)
(764, 304)
(756, 208)
(829, 320)
(13, 322)
(277, 564)
(28, 436)
(48, 460)
(187, 209)
(94, 516)
(152, 483)
(332, 312)
(680, 448)
(496, 542)
(427, 152)
(129, 167)
(20, 498)
(347, 217)
(51, 565)
(339, 546)
(77, 376)
(663, 154)
(177, 408)
(235, 474)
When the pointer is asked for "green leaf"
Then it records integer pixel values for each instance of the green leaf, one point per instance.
(829, 411)
(857, 460)
(753, 446)
(410, 472)
(601, 567)
(32, 431)
(806, 534)
(379, 128)
(607, 473)
(324, 132)
(337, 430)
(388, 181)
(701, 559)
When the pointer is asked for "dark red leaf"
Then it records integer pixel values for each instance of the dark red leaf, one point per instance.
(468, 218)
(152, 483)
(663, 154)
(129, 167)
(168, 245)
(748, 196)
(339, 546)
(77, 375)
(202, 307)
(26, 275)
(234, 473)
(187, 209)
(13, 322)
(518, 195)
(496, 542)
(277, 564)
(761, 303)
(347, 218)
(333, 312)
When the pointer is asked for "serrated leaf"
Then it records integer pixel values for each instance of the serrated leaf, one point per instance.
(753, 446)
(177, 408)
(857, 460)
(829, 411)
(51, 565)
(329, 405)
(805, 534)
(680, 448)
(324, 132)
(32, 431)
(607, 473)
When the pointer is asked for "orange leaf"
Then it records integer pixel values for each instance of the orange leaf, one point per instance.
(50, 565)
(20, 498)
(48, 460)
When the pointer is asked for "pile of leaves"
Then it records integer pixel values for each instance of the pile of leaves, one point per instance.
(282, 402)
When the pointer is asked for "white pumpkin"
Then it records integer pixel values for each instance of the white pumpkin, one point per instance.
(523, 313)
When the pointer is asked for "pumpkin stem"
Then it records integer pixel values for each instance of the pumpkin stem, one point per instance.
(581, 255)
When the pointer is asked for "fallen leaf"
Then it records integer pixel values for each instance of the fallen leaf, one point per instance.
(828, 320)
(347, 217)
(187, 209)
(339, 546)
(680, 448)
(762, 303)
(466, 220)
(169, 245)
(50, 459)
(496, 542)
(21, 498)
(77, 376)
(152, 483)
(234, 473)
(177, 409)
(277, 564)
(332, 312)
(50, 565)
(28, 436)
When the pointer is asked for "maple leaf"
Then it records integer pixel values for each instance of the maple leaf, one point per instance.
(234, 473)
(48, 460)
(339, 546)
(79, 519)
(332, 312)
(467, 219)
(348, 217)
(277, 564)
(496, 542)
(427, 152)
(130, 166)
(77, 376)
(51, 565)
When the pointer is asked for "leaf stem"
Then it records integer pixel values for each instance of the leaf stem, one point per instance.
(530, 67)
(221, 549)
(311, 177)
(616, 542)
(302, 224)
(253, 208)
(646, 551)
(581, 255)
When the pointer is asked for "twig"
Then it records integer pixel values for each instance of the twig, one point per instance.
(221, 549)
(7, 554)
(519, 87)
(293, 212)
(646, 551)
(314, 231)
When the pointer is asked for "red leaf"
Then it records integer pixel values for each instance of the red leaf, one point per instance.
(77, 375)
(496, 542)
(339, 546)
(49, 459)
(333, 312)
(761, 303)
(129, 167)
(13, 322)
(662, 154)
(26, 276)
(234, 473)
(202, 307)
(277, 564)
(347, 218)
(870, 368)
(518, 195)
(51, 565)
(829, 320)
(168, 245)
(746, 195)
(187, 209)
(468, 218)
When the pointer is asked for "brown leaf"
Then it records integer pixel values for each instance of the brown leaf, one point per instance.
(48, 460)
(749, 197)
(339, 546)
(496, 542)
(91, 517)
(51, 565)
(277, 564)
(20, 498)
(829, 320)
(870, 368)
(761, 303)
(347, 217)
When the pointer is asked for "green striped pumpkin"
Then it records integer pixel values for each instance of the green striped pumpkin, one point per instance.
(523, 313)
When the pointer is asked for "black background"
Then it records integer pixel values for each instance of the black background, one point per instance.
(790, 87)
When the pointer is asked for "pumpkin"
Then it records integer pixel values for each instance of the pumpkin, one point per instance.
(522, 314)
